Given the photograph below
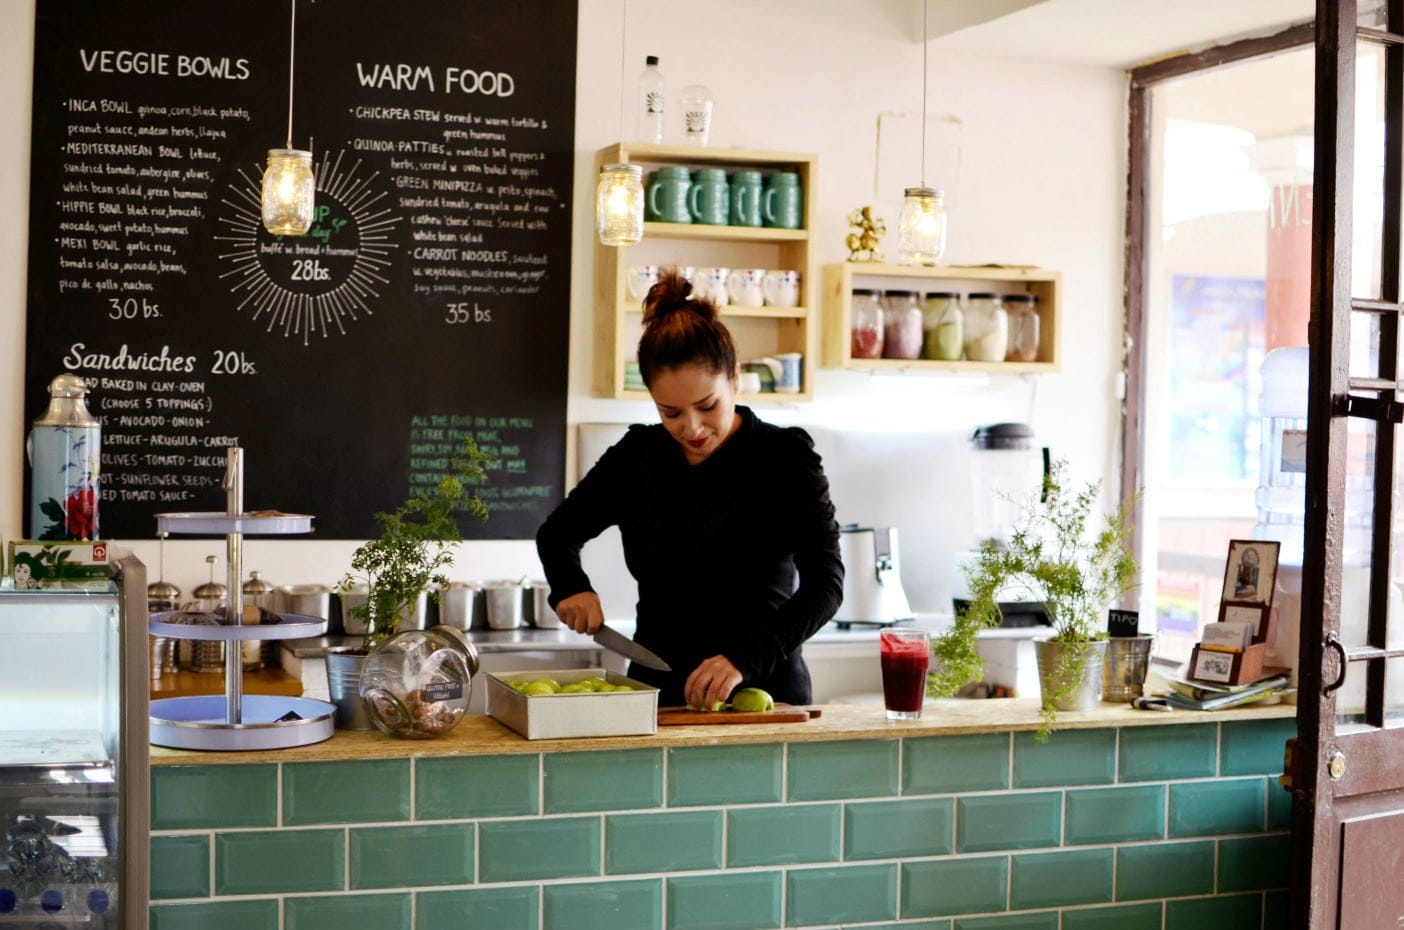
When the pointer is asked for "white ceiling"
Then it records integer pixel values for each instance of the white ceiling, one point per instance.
(1113, 33)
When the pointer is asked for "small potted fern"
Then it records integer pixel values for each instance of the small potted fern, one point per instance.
(408, 558)
(1059, 556)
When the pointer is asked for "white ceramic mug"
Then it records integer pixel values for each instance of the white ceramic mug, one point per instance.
(781, 288)
(788, 381)
(710, 283)
(640, 278)
(743, 286)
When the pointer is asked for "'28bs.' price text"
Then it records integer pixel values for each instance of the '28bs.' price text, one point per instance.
(466, 312)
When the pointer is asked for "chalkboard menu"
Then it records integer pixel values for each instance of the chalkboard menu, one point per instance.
(429, 301)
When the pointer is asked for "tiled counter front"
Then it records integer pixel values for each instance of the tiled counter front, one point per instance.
(1133, 827)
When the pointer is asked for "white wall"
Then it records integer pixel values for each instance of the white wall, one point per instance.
(1041, 181)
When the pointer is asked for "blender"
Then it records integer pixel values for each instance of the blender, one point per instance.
(1007, 471)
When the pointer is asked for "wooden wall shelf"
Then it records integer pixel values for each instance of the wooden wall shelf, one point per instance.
(758, 331)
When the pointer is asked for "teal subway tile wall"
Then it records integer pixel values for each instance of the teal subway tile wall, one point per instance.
(1137, 828)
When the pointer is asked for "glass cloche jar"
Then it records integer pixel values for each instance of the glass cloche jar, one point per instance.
(417, 684)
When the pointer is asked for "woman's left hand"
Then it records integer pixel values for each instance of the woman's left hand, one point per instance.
(710, 682)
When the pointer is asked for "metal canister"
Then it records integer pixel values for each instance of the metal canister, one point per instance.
(258, 594)
(162, 596)
(65, 452)
(208, 655)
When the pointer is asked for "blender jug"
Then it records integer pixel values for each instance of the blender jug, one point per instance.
(1007, 474)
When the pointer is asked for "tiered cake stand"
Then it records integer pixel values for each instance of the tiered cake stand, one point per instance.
(236, 720)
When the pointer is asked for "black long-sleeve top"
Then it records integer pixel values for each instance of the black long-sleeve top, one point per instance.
(714, 547)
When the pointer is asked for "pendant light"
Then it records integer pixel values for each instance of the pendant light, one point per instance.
(289, 188)
(921, 226)
(619, 193)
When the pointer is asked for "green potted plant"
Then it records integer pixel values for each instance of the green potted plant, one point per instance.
(1060, 556)
(408, 558)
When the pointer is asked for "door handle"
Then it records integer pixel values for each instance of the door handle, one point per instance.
(1334, 642)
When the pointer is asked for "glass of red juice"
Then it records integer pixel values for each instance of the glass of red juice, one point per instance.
(906, 655)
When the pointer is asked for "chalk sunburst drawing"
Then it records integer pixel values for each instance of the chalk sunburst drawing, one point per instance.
(317, 284)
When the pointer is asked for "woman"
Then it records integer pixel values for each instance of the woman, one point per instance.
(717, 511)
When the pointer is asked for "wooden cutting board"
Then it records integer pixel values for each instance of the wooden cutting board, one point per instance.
(783, 713)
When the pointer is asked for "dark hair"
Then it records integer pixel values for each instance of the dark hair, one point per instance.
(680, 329)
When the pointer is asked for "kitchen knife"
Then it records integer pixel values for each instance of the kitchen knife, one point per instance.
(615, 641)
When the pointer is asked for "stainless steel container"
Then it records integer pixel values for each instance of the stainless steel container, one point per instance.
(354, 625)
(462, 605)
(304, 600)
(542, 616)
(349, 600)
(504, 604)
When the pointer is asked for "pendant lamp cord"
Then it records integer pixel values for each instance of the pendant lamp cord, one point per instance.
(292, 48)
(924, 4)
(623, 49)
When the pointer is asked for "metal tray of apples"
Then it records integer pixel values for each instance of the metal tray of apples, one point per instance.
(628, 708)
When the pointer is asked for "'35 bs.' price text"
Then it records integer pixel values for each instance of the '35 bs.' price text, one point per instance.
(466, 312)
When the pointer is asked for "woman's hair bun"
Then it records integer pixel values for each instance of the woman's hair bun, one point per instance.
(672, 293)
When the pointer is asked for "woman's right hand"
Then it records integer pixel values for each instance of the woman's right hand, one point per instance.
(581, 612)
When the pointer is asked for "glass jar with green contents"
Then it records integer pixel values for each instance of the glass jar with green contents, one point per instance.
(943, 327)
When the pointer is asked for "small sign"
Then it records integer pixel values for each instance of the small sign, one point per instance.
(443, 691)
(1123, 623)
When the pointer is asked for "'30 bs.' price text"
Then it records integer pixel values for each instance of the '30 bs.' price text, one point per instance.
(466, 312)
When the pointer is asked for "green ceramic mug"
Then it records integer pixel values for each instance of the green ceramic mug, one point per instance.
(667, 195)
(709, 201)
(780, 202)
(746, 198)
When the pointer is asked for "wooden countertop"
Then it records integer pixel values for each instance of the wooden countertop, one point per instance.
(482, 735)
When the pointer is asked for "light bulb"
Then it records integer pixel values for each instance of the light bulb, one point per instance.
(921, 227)
(289, 192)
(619, 204)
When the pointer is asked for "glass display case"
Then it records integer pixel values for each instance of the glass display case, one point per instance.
(74, 765)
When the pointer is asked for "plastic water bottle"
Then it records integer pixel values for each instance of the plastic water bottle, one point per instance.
(651, 99)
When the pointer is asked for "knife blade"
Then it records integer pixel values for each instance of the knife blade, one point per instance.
(615, 641)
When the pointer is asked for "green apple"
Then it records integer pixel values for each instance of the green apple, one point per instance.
(595, 684)
(542, 686)
(716, 706)
(577, 687)
(751, 700)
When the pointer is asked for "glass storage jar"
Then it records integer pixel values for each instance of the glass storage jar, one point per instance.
(901, 317)
(417, 684)
(1023, 327)
(867, 324)
(943, 327)
(986, 328)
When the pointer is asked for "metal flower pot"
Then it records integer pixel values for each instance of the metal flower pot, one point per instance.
(1054, 661)
(344, 688)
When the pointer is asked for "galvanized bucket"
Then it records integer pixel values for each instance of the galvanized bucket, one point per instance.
(1124, 672)
(1083, 694)
(344, 688)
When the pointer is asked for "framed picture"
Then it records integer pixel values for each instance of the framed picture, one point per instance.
(1212, 666)
(1251, 573)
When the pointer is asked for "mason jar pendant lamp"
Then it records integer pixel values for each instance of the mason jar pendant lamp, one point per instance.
(921, 226)
(289, 189)
(619, 193)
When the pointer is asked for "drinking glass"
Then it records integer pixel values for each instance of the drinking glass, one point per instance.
(906, 655)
